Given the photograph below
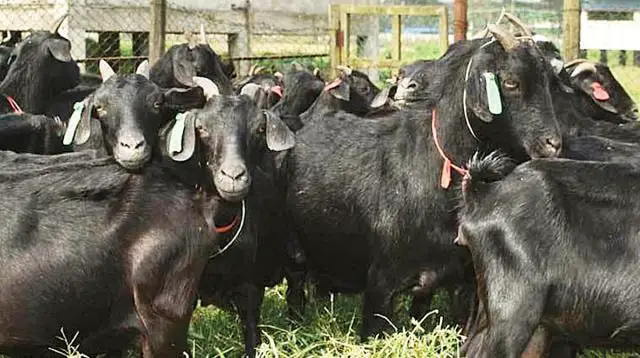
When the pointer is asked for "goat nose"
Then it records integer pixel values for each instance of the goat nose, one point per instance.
(234, 172)
(408, 83)
(553, 145)
(132, 144)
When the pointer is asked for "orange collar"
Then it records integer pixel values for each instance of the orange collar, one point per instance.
(445, 179)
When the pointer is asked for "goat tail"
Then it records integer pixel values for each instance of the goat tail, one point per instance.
(485, 169)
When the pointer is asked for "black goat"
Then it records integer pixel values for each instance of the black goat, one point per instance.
(365, 195)
(181, 63)
(554, 249)
(42, 69)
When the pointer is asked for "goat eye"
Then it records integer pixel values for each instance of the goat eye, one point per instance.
(157, 104)
(262, 128)
(510, 84)
(100, 111)
(202, 132)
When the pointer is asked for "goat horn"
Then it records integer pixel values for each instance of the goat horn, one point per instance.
(209, 88)
(279, 75)
(347, 71)
(252, 69)
(203, 34)
(257, 70)
(584, 67)
(574, 62)
(518, 24)
(316, 71)
(506, 39)
(56, 25)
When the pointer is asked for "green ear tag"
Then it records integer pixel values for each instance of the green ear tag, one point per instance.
(493, 93)
(74, 120)
(175, 142)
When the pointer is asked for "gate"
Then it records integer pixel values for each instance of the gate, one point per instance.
(340, 32)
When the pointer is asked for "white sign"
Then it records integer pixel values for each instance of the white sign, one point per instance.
(610, 35)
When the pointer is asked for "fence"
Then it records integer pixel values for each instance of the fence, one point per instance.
(118, 30)
(276, 33)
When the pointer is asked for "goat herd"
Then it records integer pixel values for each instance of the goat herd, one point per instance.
(497, 172)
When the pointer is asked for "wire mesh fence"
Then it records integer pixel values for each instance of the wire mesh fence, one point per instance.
(118, 30)
(248, 39)
(543, 17)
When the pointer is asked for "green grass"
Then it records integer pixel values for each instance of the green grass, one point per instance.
(328, 329)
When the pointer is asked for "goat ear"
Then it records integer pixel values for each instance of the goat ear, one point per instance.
(250, 89)
(341, 91)
(59, 49)
(183, 99)
(593, 88)
(487, 101)
(105, 71)
(181, 138)
(79, 125)
(381, 98)
(184, 72)
(143, 69)
(279, 136)
(208, 86)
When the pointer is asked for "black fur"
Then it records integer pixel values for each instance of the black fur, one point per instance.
(302, 89)
(30, 133)
(237, 277)
(177, 67)
(35, 77)
(364, 194)
(118, 256)
(570, 229)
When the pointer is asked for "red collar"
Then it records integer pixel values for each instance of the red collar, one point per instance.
(445, 179)
(14, 105)
(227, 228)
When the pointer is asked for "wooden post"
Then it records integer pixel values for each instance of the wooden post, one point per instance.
(460, 20)
(444, 30)
(345, 27)
(239, 43)
(157, 31)
(396, 37)
(571, 29)
(238, 46)
(336, 37)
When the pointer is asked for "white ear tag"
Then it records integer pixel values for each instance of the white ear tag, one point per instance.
(177, 132)
(74, 120)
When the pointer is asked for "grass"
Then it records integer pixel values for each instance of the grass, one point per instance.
(328, 329)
